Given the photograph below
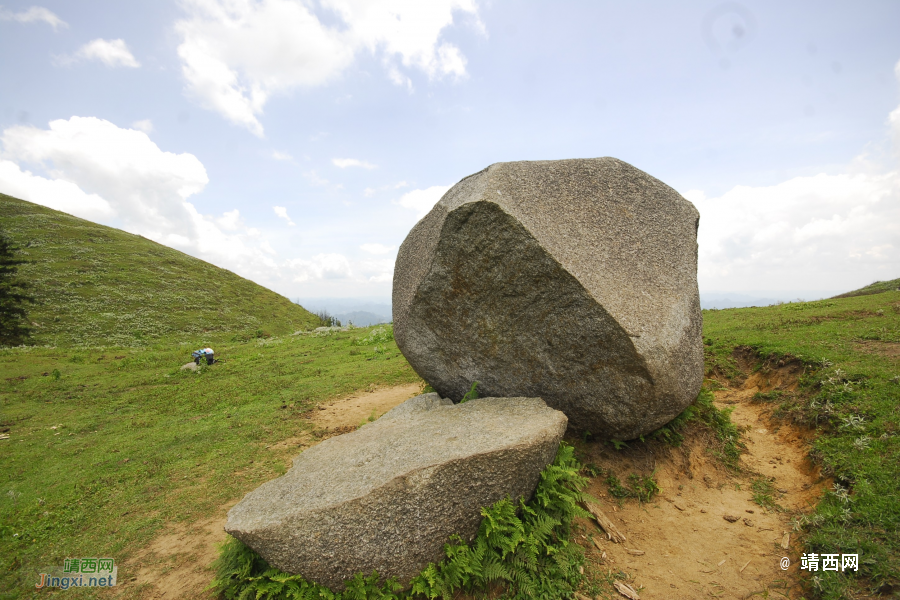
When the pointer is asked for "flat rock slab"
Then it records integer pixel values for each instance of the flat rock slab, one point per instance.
(574, 281)
(388, 496)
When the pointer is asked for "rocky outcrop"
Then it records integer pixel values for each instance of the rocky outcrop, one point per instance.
(574, 281)
(388, 496)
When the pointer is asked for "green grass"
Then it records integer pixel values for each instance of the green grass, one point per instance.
(764, 493)
(99, 286)
(123, 442)
(876, 288)
(850, 394)
(641, 487)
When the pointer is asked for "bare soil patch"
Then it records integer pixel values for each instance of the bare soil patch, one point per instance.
(889, 349)
(177, 564)
(704, 535)
(358, 408)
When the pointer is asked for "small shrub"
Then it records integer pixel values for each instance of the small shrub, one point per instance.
(592, 470)
(641, 487)
(383, 334)
(327, 320)
(772, 396)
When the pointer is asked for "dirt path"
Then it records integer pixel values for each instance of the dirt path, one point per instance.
(704, 535)
(176, 564)
(369, 404)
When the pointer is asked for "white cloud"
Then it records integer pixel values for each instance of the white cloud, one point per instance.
(386, 277)
(98, 171)
(56, 194)
(807, 232)
(93, 169)
(236, 53)
(145, 125)
(146, 186)
(396, 186)
(112, 53)
(894, 120)
(281, 155)
(343, 163)
(377, 248)
(230, 221)
(377, 270)
(408, 31)
(836, 230)
(321, 266)
(314, 178)
(35, 13)
(422, 201)
(281, 211)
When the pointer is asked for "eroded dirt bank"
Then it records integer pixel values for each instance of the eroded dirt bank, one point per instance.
(704, 535)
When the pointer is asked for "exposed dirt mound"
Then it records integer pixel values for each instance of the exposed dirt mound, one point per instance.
(889, 349)
(704, 534)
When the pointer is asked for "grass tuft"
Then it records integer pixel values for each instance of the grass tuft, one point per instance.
(764, 493)
(641, 487)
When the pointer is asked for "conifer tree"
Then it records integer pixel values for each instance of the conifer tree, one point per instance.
(14, 327)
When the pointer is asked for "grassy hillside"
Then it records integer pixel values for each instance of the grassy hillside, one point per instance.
(101, 286)
(876, 288)
(106, 446)
(849, 396)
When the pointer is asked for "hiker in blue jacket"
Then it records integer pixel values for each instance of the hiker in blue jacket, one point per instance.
(203, 353)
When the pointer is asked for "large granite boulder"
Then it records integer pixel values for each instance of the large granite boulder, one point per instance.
(388, 496)
(574, 281)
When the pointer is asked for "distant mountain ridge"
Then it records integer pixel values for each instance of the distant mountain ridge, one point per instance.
(361, 318)
(97, 285)
(362, 311)
(722, 300)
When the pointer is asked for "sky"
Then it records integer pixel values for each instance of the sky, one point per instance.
(296, 142)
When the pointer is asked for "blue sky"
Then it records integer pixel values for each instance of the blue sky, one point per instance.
(297, 142)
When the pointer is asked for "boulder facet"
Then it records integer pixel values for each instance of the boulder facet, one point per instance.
(574, 281)
(388, 496)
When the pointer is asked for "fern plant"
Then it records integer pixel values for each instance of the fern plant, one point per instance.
(472, 394)
(524, 549)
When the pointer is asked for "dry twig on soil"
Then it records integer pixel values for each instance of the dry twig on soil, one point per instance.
(626, 590)
(611, 531)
